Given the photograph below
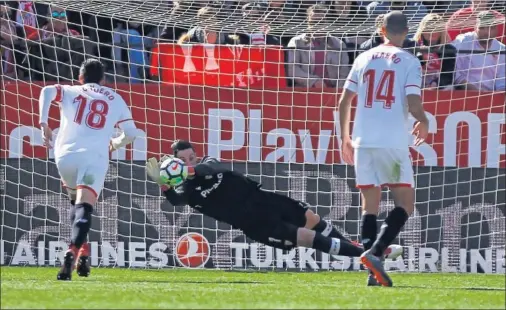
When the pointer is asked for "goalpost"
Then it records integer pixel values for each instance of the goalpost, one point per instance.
(236, 103)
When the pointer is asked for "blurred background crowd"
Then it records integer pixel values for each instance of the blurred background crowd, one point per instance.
(47, 42)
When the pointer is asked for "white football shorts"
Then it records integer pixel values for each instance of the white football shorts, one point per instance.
(83, 170)
(378, 167)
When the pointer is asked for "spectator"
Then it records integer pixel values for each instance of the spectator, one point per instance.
(257, 31)
(282, 16)
(348, 9)
(300, 8)
(463, 20)
(206, 31)
(30, 15)
(173, 31)
(316, 58)
(481, 71)
(345, 10)
(444, 6)
(56, 24)
(414, 10)
(8, 39)
(129, 40)
(438, 60)
(57, 50)
(377, 37)
(280, 12)
(151, 38)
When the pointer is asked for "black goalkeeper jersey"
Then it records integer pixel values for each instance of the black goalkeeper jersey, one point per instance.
(215, 191)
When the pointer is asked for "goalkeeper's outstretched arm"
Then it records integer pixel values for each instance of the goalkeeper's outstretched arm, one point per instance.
(181, 195)
(177, 197)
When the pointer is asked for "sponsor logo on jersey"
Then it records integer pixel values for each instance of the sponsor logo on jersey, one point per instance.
(208, 191)
(192, 250)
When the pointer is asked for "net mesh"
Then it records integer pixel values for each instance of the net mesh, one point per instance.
(289, 17)
(243, 102)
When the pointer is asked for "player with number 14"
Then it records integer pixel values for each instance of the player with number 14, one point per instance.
(387, 80)
(89, 114)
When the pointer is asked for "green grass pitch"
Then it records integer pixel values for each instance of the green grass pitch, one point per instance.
(30, 287)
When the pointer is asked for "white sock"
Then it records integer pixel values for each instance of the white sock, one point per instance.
(335, 247)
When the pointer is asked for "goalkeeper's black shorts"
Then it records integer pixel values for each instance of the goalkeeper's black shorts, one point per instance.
(273, 219)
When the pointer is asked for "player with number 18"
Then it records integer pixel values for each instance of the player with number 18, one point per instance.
(89, 114)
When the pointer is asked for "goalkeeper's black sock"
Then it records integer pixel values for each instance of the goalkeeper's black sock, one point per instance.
(335, 246)
(328, 230)
(81, 225)
(369, 230)
(389, 230)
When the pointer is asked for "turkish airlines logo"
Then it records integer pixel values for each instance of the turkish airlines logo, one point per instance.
(192, 250)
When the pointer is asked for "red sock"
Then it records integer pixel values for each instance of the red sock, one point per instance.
(85, 249)
(73, 249)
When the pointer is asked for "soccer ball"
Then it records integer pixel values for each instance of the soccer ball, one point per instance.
(173, 172)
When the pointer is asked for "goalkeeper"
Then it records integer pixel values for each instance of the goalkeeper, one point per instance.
(272, 219)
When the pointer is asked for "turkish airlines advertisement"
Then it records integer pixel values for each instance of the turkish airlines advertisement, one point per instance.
(467, 129)
(458, 224)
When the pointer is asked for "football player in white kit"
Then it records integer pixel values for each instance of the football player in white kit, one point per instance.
(387, 80)
(89, 114)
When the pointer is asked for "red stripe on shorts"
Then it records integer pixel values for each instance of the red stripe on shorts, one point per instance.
(365, 186)
(393, 185)
(88, 188)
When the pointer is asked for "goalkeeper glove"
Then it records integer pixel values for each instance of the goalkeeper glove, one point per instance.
(153, 169)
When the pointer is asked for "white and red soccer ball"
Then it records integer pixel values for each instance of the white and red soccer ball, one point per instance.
(192, 250)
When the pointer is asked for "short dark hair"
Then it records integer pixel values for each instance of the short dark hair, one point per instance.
(92, 71)
(181, 145)
(395, 23)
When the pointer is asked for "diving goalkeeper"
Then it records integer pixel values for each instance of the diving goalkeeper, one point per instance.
(269, 218)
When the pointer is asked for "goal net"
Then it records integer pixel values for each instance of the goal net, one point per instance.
(257, 86)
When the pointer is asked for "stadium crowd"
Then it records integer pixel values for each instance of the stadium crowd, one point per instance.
(322, 38)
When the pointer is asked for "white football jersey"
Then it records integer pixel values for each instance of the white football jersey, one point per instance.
(89, 114)
(382, 77)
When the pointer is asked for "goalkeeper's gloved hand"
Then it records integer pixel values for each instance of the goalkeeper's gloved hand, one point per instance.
(153, 169)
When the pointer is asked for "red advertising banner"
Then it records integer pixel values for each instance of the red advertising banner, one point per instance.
(467, 129)
(219, 65)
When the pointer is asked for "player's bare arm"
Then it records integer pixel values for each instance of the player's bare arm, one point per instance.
(344, 118)
(128, 134)
(421, 129)
(47, 96)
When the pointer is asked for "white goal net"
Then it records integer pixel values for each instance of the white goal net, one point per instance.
(256, 84)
